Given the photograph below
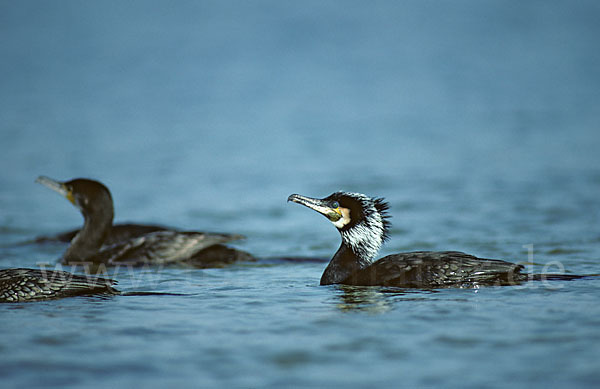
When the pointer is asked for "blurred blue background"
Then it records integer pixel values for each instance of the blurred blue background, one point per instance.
(477, 120)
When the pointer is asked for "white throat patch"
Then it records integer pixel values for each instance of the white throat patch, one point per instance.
(344, 220)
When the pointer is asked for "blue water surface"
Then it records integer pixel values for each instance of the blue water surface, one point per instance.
(477, 120)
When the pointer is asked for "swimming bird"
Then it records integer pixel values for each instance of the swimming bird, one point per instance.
(363, 223)
(22, 285)
(92, 243)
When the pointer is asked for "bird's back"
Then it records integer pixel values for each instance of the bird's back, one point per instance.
(437, 269)
(20, 285)
(160, 247)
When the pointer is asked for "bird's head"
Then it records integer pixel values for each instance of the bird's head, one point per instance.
(91, 197)
(361, 220)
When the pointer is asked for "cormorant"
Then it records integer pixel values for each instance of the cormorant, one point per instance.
(22, 285)
(92, 243)
(363, 225)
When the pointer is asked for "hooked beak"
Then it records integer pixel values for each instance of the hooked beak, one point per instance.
(317, 205)
(57, 186)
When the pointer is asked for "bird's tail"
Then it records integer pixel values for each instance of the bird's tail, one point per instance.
(559, 277)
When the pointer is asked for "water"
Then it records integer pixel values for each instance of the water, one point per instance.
(477, 121)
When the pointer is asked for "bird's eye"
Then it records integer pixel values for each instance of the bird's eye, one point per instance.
(335, 205)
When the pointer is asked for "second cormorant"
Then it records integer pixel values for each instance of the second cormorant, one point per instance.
(96, 242)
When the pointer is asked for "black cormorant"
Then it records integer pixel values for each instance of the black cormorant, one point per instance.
(22, 285)
(363, 224)
(92, 243)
